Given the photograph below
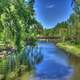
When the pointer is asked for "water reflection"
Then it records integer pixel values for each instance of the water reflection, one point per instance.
(33, 55)
(75, 62)
(54, 65)
(51, 70)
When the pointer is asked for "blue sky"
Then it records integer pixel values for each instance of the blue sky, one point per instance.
(51, 12)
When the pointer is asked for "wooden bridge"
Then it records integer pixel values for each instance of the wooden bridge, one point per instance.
(47, 37)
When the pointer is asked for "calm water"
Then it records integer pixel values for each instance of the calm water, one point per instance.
(55, 64)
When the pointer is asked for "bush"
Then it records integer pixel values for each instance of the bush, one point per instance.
(1, 76)
(12, 76)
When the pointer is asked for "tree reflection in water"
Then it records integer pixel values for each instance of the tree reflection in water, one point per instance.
(33, 55)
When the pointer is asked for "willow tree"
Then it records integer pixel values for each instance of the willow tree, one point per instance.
(17, 23)
(16, 19)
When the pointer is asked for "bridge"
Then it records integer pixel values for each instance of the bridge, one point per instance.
(47, 37)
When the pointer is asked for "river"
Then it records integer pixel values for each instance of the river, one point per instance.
(55, 64)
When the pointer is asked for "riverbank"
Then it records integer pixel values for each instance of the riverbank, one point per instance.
(74, 56)
(71, 49)
(25, 76)
(13, 67)
(17, 74)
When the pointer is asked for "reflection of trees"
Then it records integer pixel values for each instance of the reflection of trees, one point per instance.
(33, 55)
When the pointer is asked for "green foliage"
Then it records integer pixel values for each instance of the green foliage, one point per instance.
(17, 21)
(70, 29)
(17, 27)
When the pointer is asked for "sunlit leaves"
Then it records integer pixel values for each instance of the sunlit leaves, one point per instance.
(12, 8)
(17, 22)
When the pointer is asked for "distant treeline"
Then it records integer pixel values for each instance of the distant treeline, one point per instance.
(68, 30)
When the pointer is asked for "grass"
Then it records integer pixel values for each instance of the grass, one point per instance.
(13, 74)
(73, 49)
(74, 59)
(25, 76)
(19, 75)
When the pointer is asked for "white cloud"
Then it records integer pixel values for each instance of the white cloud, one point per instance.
(50, 6)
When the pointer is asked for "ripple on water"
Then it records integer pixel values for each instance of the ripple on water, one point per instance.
(50, 70)
(54, 65)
